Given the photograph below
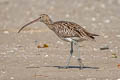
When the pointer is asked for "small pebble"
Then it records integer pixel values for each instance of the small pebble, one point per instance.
(107, 21)
(84, 26)
(67, 15)
(45, 45)
(93, 19)
(46, 55)
(38, 46)
(118, 36)
(118, 79)
(3, 72)
(95, 49)
(73, 56)
(111, 50)
(59, 42)
(105, 36)
(11, 77)
(6, 32)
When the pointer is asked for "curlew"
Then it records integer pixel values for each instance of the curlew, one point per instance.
(67, 31)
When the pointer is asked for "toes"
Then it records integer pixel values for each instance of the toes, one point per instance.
(80, 63)
(79, 60)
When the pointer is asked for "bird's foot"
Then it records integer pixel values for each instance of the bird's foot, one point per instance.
(80, 63)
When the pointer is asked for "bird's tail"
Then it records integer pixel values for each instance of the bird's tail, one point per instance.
(94, 34)
(91, 35)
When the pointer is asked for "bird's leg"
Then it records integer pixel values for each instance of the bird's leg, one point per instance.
(69, 58)
(71, 52)
(79, 59)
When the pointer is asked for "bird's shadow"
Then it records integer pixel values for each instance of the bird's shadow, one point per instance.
(77, 67)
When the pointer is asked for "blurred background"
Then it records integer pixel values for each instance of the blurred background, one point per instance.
(100, 14)
(21, 58)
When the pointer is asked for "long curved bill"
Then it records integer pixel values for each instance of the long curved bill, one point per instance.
(29, 24)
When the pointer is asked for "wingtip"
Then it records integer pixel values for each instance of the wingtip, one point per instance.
(95, 35)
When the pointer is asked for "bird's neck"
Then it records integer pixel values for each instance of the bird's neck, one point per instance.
(49, 23)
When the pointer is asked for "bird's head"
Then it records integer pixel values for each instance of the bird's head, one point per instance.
(42, 18)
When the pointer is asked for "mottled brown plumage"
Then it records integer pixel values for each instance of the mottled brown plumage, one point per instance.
(65, 29)
(68, 31)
